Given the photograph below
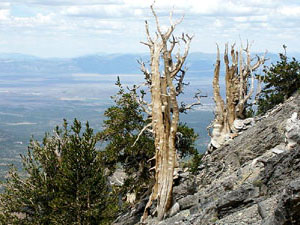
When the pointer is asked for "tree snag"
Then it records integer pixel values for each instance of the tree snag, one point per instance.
(238, 91)
(165, 85)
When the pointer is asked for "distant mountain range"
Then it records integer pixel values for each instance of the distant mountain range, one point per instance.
(24, 65)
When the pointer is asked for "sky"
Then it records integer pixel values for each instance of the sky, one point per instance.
(70, 28)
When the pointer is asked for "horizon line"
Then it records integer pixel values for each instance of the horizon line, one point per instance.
(114, 53)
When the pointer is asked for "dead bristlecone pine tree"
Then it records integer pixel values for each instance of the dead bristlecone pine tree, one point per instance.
(165, 83)
(240, 81)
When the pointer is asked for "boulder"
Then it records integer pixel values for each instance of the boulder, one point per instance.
(240, 125)
(188, 201)
(175, 209)
(293, 131)
(288, 208)
(237, 199)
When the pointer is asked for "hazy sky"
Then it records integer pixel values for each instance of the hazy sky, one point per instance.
(66, 28)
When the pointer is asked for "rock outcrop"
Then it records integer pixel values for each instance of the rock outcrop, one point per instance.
(252, 179)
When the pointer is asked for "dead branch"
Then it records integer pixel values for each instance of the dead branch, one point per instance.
(149, 160)
(198, 97)
(150, 41)
(145, 71)
(152, 168)
(258, 89)
(180, 84)
(173, 43)
(250, 70)
(140, 98)
(181, 59)
(157, 22)
(141, 132)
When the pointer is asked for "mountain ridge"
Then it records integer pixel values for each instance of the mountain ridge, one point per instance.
(22, 64)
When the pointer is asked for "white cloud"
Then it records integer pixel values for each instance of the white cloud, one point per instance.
(242, 19)
(129, 7)
(290, 11)
(4, 11)
(102, 11)
(4, 5)
(218, 23)
(117, 25)
(34, 22)
(4, 14)
(66, 2)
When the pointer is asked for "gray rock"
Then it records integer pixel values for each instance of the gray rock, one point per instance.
(237, 199)
(288, 208)
(261, 210)
(277, 150)
(228, 184)
(175, 209)
(249, 121)
(179, 218)
(188, 201)
(185, 174)
(184, 187)
(280, 170)
(293, 131)
(118, 177)
(195, 209)
(240, 125)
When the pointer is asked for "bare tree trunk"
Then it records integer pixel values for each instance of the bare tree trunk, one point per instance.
(220, 110)
(164, 109)
(237, 74)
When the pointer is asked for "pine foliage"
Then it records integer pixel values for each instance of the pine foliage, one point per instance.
(124, 122)
(63, 183)
(281, 81)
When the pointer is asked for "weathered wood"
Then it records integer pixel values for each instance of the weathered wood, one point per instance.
(164, 110)
(238, 91)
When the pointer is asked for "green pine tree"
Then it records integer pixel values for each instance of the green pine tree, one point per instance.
(63, 183)
(125, 120)
(281, 81)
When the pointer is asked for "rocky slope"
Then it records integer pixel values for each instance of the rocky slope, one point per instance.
(253, 179)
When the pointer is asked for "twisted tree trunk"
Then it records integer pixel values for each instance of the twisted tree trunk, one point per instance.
(164, 109)
(238, 92)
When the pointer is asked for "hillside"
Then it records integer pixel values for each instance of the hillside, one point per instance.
(253, 179)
